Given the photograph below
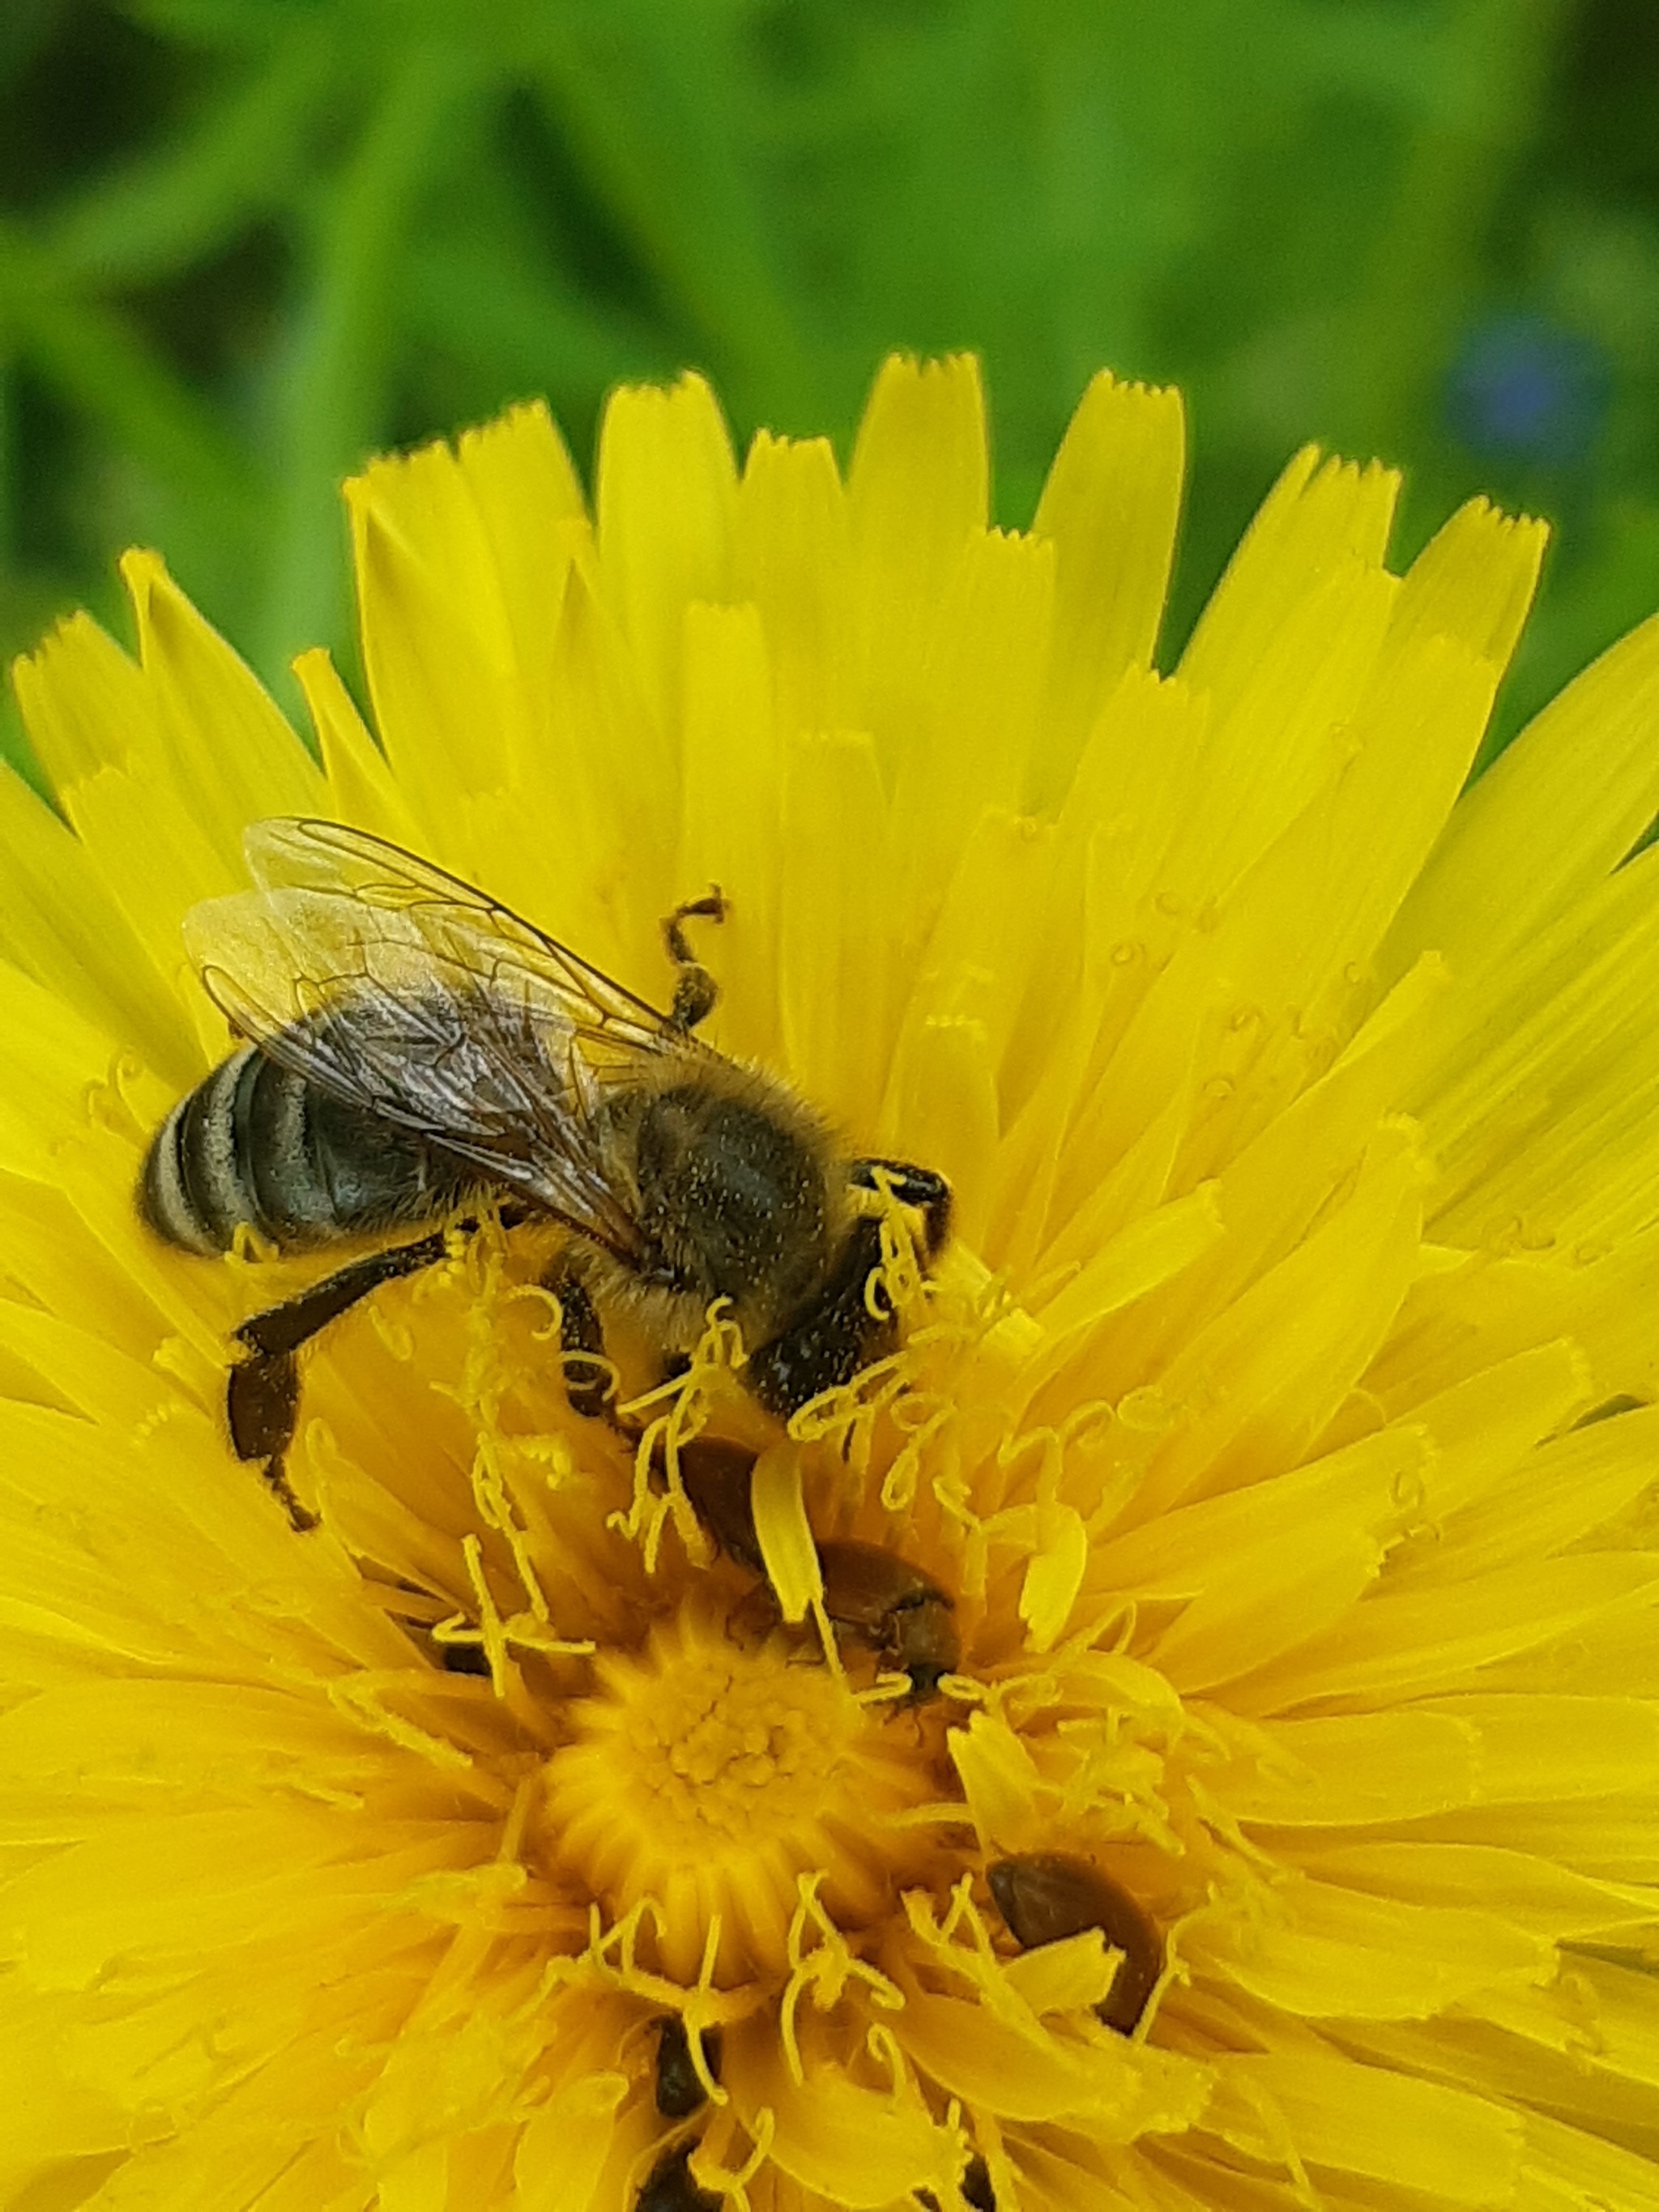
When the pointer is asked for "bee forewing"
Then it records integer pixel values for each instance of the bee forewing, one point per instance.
(295, 853)
(271, 958)
(410, 900)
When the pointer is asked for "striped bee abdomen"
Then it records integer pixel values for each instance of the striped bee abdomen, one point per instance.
(256, 1145)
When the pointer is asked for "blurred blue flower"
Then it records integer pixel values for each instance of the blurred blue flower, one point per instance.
(1523, 389)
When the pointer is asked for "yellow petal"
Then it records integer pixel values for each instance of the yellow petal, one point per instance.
(1411, 2134)
(224, 740)
(563, 2151)
(667, 489)
(1553, 815)
(916, 494)
(1121, 2089)
(1402, 1641)
(1110, 506)
(833, 953)
(60, 925)
(732, 745)
(1324, 1951)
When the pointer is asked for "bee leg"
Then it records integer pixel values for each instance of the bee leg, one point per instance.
(262, 1397)
(912, 1186)
(831, 1341)
(582, 1341)
(261, 1393)
(694, 989)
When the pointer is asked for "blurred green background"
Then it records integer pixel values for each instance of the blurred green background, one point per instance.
(243, 243)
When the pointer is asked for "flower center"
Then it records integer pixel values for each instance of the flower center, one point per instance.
(709, 1774)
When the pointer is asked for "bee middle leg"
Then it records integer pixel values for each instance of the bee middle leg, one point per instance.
(582, 1341)
(261, 1393)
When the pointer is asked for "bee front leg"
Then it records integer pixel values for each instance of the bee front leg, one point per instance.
(261, 1393)
(912, 1186)
(581, 1343)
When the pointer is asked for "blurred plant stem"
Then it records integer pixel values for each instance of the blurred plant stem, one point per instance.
(649, 96)
(1492, 65)
(94, 358)
(331, 390)
(238, 160)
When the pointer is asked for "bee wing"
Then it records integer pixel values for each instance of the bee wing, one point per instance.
(456, 921)
(406, 992)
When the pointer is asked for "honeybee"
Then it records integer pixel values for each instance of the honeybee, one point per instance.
(415, 1053)
(1045, 1896)
(871, 1595)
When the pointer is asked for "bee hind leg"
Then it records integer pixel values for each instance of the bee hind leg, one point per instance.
(261, 1393)
(262, 1398)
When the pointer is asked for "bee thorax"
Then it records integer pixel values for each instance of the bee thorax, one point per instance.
(732, 1202)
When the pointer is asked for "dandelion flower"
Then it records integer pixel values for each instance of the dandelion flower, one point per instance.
(1277, 1428)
